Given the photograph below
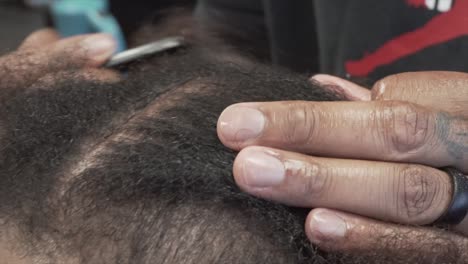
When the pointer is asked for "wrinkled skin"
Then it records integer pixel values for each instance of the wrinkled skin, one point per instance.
(370, 167)
(407, 134)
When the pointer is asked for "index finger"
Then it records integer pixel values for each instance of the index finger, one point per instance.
(381, 130)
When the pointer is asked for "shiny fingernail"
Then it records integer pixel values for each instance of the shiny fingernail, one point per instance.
(350, 90)
(325, 79)
(239, 124)
(327, 226)
(99, 47)
(261, 170)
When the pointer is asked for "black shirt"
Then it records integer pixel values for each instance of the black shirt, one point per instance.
(358, 38)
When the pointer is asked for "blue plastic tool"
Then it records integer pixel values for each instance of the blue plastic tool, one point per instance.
(74, 17)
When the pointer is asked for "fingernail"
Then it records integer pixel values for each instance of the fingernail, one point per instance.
(378, 93)
(341, 86)
(239, 124)
(261, 170)
(325, 79)
(327, 226)
(99, 47)
(328, 82)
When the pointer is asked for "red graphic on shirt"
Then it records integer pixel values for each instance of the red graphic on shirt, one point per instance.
(442, 28)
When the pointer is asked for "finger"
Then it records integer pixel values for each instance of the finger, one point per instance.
(402, 193)
(22, 68)
(383, 242)
(351, 91)
(445, 91)
(387, 131)
(85, 50)
(40, 39)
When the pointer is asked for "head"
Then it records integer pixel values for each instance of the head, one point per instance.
(133, 172)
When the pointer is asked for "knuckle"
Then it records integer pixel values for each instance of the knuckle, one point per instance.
(300, 123)
(405, 127)
(380, 89)
(418, 190)
(385, 88)
(316, 180)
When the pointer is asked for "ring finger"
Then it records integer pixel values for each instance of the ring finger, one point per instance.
(384, 242)
(402, 193)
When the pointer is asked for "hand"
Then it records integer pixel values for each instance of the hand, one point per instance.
(43, 56)
(383, 151)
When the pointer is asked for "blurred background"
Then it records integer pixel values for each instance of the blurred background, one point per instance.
(18, 18)
(16, 22)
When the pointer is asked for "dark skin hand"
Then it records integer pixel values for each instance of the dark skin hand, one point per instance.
(43, 55)
(369, 166)
(371, 162)
(41, 58)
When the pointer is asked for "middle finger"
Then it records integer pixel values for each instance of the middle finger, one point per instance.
(402, 193)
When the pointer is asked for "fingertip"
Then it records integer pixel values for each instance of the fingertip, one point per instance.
(86, 50)
(351, 90)
(238, 168)
(98, 48)
(239, 124)
(327, 229)
(222, 127)
(258, 168)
